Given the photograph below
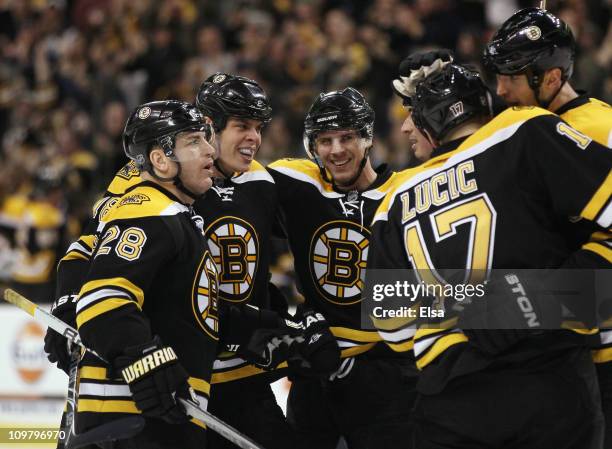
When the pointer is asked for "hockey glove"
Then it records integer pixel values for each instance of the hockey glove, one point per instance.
(58, 347)
(512, 309)
(268, 348)
(155, 376)
(318, 349)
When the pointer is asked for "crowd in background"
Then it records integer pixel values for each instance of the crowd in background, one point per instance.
(72, 70)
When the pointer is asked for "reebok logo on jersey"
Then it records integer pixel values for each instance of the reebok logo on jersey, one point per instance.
(314, 338)
(137, 198)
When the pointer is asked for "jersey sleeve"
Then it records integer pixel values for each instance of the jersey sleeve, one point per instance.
(577, 174)
(575, 170)
(387, 253)
(130, 254)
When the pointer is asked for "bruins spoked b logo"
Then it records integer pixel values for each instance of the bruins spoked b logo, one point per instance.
(234, 247)
(338, 254)
(205, 296)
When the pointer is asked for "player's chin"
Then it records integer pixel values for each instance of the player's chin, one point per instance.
(203, 185)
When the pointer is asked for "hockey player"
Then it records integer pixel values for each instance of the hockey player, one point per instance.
(532, 55)
(128, 311)
(239, 212)
(412, 70)
(72, 268)
(496, 192)
(326, 204)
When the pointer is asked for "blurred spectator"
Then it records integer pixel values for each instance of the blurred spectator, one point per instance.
(70, 71)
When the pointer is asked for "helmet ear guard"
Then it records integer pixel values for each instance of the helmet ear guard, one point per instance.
(448, 99)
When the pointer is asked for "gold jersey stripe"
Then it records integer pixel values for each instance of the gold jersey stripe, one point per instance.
(599, 200)
(240, 373)
(93, 372)
(600, 249)
(100, 308)
(356, 335)
(356, 350)
(112, 406)
(401, 347)
(199, 385)
(123, 283)
(74, 255)
(602, 355)
(440, 345)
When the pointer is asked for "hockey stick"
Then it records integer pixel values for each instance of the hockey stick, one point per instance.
(192, 408)
(69, 432)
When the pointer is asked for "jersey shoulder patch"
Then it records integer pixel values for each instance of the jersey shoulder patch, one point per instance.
(128, 176)
(140, 202)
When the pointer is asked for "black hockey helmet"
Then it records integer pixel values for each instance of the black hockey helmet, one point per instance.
(222, 96)
(449, 98)
(337, 110)
(158, 123)
(531, 42)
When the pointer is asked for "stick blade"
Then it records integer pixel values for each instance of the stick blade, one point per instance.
(20, 301)
(119, 429)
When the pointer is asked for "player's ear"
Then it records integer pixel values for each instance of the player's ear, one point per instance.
(159, 160)
(552, 77)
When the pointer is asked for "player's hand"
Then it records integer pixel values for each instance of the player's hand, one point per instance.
(155, 377)
(423, 59)
(514, 307)
(318, 350)
(268, 348)
(58, 347)
(410, 73)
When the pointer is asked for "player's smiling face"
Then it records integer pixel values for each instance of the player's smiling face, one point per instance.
(239, 141)
(196, 155)
(515, 90)
(341, 153)
(418, 143)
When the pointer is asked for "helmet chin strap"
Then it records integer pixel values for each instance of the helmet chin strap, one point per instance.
(218, 167)
(176, 180)
(351, 181)
(535, 82)
(364, 160)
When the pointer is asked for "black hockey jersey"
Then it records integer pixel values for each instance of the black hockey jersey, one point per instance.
(151, 273)
(593, 118)
(329, 236)
(492, 200)
(238, 214)
(72, 268)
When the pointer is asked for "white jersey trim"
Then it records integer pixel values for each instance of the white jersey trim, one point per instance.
(259, 175)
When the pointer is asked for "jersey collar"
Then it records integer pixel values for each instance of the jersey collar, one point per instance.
(582, 98)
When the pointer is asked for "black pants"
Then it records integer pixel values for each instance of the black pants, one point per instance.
(557, 407)
(604, 374)
(250, 406)
(370, 408)
(158, 434)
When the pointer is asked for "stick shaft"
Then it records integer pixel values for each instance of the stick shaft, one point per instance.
(192, 409)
